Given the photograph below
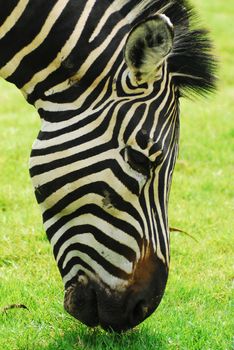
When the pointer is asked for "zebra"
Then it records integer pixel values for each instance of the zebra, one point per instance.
(106, 78)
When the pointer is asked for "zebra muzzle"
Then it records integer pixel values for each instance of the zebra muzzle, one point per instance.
(93, 304)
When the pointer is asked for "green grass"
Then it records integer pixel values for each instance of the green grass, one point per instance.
(195, 313)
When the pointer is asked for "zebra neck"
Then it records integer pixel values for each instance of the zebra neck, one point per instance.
(48, 46)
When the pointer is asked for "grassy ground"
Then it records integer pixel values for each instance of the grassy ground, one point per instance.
(196, 310)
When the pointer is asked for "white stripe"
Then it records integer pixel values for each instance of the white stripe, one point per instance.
(13, 17)
(98, 200)
(14, 63)
(177, 74)
(109, 230)
(74, 135)
(59, 125)
(163, 103)
(163, 230)
(78, 102)
(130, 115)
(111, 281)
(73, 273)
(88, 239)
(111, 9)
(64, 53)
(49, 106)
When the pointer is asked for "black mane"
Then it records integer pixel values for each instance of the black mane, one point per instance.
(191, 59)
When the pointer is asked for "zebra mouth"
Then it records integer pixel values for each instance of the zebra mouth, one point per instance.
(80, 301)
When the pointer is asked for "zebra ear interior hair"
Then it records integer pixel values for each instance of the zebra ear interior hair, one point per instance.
(147, 45)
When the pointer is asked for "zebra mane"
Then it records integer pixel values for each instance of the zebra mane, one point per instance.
(191, 60)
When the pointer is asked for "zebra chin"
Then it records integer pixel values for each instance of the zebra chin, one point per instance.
(94, 304)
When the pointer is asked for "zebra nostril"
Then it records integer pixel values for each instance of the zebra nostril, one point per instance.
(139, 312)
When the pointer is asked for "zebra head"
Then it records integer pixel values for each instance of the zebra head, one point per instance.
(104, 198)
(106, 78)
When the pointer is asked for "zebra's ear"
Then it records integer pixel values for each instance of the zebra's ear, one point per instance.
(147, 46)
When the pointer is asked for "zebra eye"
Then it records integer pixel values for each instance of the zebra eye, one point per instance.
(138, 161)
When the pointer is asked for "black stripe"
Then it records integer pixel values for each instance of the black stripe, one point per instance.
(43, 168)
(41, 57)
(44, 191)
(6, 9)
(157, 229)
(155, 104)
(95, 256)
(99, 188)
(25, 30)
(109, 242)
(133, 123)
(79, 55)
(166, 115)
(71, 263)
(48, 135)
(61, 116)
(99, 212)
(92, 135)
